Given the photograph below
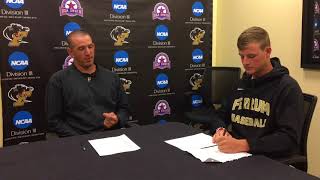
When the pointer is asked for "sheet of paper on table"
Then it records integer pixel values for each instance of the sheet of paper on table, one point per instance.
(113, 145)
(201, 146)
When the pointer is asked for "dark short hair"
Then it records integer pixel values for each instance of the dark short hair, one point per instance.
(80, 32)
(251, 35)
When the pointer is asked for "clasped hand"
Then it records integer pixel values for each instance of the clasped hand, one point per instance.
(110, 119)
(227, 144)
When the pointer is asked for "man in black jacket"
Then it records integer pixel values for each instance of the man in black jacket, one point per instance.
(85, 97)
(266, 109)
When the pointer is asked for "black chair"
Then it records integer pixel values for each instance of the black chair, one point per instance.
(131, 123)
(300, 161)
(217, 84)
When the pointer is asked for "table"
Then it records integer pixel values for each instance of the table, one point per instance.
(65, 159)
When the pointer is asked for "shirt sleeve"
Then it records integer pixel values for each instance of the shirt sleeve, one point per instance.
(55, 113)
(122, 110)
(221, 116)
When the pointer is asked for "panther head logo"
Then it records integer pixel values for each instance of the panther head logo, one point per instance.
(15, 33)
(119, 34)
(196, 36)
(126, 85)
(196, 81)
(19, 94)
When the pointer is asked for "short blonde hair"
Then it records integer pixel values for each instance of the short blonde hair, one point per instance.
(253, 35)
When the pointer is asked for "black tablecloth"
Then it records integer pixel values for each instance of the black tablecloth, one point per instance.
(65, 159)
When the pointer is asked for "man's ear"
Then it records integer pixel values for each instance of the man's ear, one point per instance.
(69, 50)
(268, 50)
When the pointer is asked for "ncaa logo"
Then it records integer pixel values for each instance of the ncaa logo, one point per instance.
(119, 6)
(196, 101)
(162, 32)
(18, 61)
(69, 27)
(22, 119)
(14, 4)
(121, 58)
(197, 8)
(197, 56)
(162, 81)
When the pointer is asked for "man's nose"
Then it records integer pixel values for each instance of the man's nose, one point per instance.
(86, 51)
(245, 60)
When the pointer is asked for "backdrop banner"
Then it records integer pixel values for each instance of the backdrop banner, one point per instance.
(159, 49)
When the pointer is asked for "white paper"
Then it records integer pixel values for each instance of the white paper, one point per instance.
(212, 154)
(196, 141)
(113, 145)
(201, 146)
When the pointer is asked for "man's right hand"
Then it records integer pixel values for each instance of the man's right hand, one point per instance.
(228, 144)
(220, 132)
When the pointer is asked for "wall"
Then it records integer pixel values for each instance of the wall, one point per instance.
(283, 20)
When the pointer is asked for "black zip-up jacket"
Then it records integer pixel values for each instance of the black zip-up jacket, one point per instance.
(76, 101)
(267, 111)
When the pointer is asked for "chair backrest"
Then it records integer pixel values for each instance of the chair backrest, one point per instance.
(309, 106)
(218, 83)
